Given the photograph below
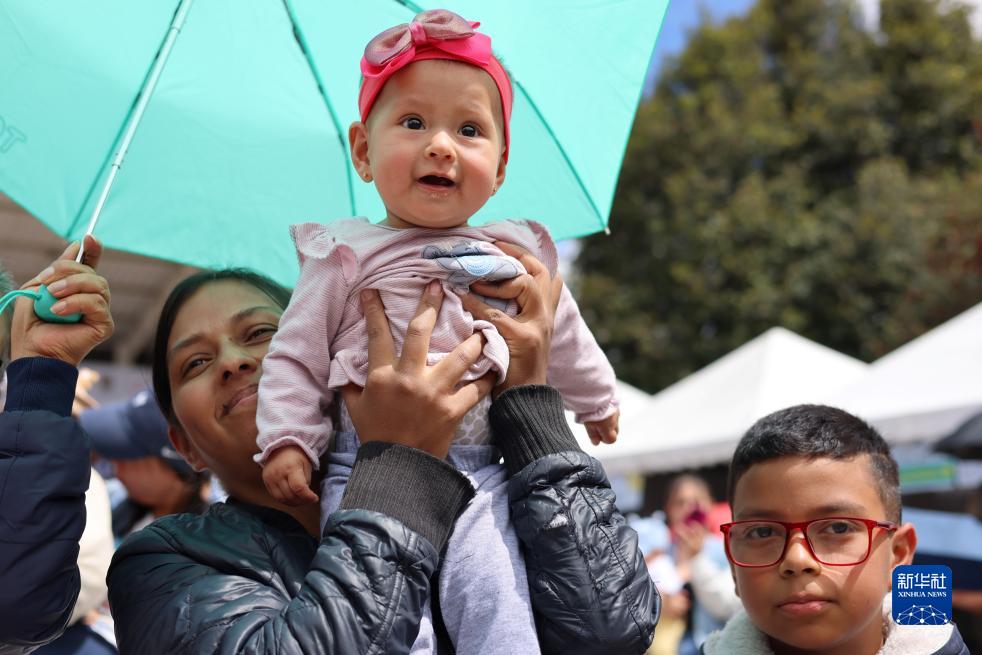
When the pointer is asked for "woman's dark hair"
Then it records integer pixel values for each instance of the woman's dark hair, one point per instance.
(176, 300)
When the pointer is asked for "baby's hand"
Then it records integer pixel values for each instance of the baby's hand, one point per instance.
(604, 430)
(287, 476)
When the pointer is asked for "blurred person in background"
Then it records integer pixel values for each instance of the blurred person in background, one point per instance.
(132, 436)
(45, 472)
(707, 598)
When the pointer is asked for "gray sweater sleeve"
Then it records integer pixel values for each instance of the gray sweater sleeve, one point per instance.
(591, 592)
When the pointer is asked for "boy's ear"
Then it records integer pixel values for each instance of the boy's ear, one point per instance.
(736, 585)
(358, 140)
(184, 446)
(903, 545)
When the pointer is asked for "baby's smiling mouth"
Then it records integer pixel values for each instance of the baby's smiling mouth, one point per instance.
(437, 180)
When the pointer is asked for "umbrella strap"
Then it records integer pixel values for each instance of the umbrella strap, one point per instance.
(13, 295)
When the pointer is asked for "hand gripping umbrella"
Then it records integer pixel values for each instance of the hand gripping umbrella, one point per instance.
(232, 116)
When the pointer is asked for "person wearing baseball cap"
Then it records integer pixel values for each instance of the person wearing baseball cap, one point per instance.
(132, 435)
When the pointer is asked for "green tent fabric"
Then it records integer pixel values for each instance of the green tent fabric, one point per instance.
(246, 130)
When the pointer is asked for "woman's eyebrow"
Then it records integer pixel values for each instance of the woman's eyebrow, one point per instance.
(243, 314)
(235, 318)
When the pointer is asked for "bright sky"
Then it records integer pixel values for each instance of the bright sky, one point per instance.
(684, 15)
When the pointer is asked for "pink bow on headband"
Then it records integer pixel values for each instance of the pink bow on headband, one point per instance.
(434, 34)
(427, 28)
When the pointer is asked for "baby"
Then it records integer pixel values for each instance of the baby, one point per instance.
(435, 106)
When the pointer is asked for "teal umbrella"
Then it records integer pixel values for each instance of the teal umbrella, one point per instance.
(197, 131)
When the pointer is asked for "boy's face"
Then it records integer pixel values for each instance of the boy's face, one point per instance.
(433, 144)
(800, 603)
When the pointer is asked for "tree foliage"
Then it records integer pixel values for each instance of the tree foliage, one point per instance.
(795, 168)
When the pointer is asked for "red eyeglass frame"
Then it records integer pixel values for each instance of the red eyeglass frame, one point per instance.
(791, 526)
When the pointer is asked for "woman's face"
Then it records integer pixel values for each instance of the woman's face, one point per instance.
(214, 361)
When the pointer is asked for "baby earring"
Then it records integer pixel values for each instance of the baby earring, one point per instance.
(367, 176)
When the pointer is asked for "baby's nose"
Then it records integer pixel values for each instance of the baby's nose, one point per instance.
(440, 146)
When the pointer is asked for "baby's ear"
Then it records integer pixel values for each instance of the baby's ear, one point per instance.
(903, 545)
(358, 140)
(500, 176)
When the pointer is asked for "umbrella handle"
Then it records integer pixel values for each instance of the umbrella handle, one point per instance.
(43, 300)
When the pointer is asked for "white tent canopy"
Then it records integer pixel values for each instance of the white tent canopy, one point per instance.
(926, 388)
(633, 401)
(698, 420)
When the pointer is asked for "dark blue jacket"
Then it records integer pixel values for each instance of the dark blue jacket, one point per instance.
(245, 579)
(44, 472)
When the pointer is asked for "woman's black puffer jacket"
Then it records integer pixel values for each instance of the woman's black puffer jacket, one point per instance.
(245, 579)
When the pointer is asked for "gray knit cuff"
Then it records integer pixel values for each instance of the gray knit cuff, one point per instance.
(423, 492)
(528, 423)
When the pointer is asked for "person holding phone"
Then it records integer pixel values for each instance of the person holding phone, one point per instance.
(707, 598)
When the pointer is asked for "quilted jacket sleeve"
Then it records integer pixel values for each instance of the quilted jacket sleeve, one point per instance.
(44, 472)
(227, 583)
(591, 592)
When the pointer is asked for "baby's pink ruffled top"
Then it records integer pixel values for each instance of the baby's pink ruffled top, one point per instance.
(322, 343)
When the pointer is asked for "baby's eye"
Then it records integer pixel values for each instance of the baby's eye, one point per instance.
(412, 123)
(469, 131)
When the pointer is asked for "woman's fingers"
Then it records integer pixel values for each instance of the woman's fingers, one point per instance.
(381, 349)
(449, 370)
(80, 283)
(66, 265)
(417, 343)
(59, 269)
(464, 399)
(92, 305)
(528, 260)
(351, 394)
(480, 309)
(93, 252)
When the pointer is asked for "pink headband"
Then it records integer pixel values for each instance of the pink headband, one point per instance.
(434, 34)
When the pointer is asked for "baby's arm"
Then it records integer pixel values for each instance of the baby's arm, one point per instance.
(294, 425)
(581, 372)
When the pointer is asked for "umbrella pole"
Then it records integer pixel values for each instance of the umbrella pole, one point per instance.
(137, 115)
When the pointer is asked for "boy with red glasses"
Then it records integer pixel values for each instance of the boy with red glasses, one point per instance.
(816, 534)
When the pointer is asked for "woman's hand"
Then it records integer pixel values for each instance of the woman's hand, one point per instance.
(404, 400)
(528, 335)
(79, 289)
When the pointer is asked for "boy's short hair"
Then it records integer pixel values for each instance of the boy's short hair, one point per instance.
(818, 431)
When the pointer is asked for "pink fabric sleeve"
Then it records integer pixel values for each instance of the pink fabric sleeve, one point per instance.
(578, 367)
(294, 398)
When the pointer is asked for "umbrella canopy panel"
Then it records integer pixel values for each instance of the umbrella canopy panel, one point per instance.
(246, 131)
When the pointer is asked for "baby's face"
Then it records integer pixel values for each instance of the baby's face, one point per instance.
(799, 602)
(434, 144)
